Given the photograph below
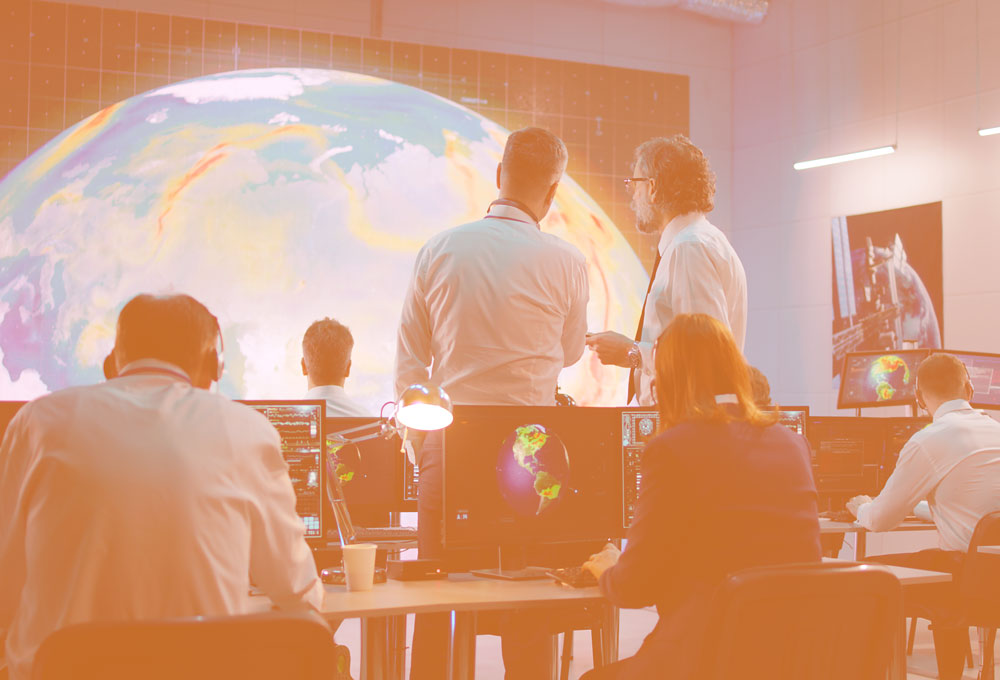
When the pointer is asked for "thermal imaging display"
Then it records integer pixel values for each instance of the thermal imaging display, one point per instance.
(880, 378)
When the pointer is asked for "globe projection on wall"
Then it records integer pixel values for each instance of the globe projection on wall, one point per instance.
(275, 196)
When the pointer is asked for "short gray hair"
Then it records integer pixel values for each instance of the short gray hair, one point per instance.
(533, 154)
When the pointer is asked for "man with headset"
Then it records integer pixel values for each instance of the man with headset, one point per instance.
(147, 496)
(953, 463)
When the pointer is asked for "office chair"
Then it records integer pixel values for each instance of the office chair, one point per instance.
(804, 622)
(251, 647)
(979, 586)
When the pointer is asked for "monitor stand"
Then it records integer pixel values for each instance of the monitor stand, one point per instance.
(511, 559)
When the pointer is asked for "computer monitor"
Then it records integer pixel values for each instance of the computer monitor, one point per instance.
(897, 432)
(795, 418)
(639, 425)
(847, 453)
(880, 378)
(8, 409)
(370, 472)
(521, 476)
(984, 372)
(300, 426)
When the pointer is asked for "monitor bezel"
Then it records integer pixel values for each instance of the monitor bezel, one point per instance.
(959, 354)
(874, 353)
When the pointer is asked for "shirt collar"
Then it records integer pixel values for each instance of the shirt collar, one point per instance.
(154, 367)
(505, 210)
(323, 391)
(952, 406)
(676, 226)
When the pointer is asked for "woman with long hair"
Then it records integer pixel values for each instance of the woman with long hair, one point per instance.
(724, 487)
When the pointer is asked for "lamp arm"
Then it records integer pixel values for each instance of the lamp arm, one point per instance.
(384, 428)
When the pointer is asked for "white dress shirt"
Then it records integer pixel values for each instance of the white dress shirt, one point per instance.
(699, 272)
(495, 309)
(338, 404)
(955, 464)
(142, 498)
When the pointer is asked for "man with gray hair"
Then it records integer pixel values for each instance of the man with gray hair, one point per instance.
(326, 364)
(495, 309)
(696, 269)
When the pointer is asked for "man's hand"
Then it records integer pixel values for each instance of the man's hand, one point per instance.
(857, 502)
(612, 348)
(602, 561)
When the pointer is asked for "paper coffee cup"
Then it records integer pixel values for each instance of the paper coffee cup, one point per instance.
(359, 565)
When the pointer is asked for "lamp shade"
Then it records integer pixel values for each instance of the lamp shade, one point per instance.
(424, 407)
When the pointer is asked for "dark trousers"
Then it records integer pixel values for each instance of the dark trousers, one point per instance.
(527, 647)
(939, 603)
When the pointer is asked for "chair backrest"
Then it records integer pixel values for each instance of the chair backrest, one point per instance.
(980, 578)
(804, 622)
(273, 645)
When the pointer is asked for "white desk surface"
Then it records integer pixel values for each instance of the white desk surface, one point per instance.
(906, 575)
(989, 549)
(463, 592)
(827, 526)
(459, 592)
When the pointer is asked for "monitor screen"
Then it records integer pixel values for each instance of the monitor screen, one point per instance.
(638, 427)
(847, 453)
(880, 378)
(518, 475)
(793, 417)
(897, 432)
(984, 372)
(370, 471)
(300, 426)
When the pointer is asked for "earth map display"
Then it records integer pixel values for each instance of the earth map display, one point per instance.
(888, 374)
(533, 470)
(276, 197)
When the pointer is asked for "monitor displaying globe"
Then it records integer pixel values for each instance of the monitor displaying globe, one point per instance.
(531, 475)
(880, 378)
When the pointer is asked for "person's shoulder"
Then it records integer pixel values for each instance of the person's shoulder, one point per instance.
(237, 417)
(564, 248)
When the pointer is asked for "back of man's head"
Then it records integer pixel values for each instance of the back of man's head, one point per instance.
(173, 328)
(534, 159)
(943, 377)
(326, 352)
(684, 180)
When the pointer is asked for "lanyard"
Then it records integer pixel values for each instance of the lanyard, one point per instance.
(512, 204)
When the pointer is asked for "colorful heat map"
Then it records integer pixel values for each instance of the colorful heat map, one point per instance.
(886, 370)
(277, 197)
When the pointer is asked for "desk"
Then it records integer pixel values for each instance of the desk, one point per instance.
(462, 593)
(831, 527)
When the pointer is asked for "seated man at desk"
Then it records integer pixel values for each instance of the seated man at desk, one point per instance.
(953, 463)
(326, 364)
(147, 496)
(724, 487)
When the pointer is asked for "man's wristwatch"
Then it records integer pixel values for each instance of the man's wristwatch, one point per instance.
(634, 356)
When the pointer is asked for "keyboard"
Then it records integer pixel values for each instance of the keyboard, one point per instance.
(576, 577)
(838, 515)
(362, 534)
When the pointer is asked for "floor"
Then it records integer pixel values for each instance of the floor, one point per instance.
(635, 625)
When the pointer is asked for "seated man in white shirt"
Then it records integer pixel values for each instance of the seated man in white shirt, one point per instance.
(326, 364)
(147, 496)
(953, 463)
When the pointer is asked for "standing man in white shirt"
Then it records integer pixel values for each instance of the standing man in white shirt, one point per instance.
(953, 464)
(147, 496)
(326, 364)
(495, 309)
(696, 269)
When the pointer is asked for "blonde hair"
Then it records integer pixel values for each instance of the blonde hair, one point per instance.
(696, 360)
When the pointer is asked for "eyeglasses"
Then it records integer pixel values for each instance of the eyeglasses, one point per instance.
(630, 182)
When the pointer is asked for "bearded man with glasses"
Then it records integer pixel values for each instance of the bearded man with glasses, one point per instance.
(696, 269)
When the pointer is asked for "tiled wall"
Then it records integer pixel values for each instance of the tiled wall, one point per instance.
(822, 77)
(62, 62)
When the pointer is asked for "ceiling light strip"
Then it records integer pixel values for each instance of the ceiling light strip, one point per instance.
(844, 158)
